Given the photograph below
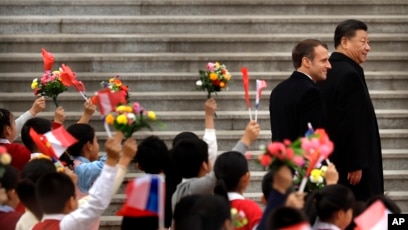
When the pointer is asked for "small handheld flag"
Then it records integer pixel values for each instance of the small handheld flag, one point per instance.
(68, 78)
(260, 84)
(245, 82)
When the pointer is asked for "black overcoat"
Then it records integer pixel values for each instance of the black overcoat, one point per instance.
(352, 126)
(293, 103)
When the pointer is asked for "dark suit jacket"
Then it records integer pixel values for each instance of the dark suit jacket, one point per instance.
(293, 103)
(352, 125)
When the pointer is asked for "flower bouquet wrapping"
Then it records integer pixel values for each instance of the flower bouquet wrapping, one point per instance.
(50, 83)
(213, 79)
(131, 118)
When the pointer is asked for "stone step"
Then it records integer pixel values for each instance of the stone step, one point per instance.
(226, 120)
(180, 62)
(189, 43)
(185, 81)
(201, 24)
(200, 7)
(186, 101)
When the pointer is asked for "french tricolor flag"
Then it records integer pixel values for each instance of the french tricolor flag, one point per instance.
(374, 217)
(53, 143)
(145, 197)
(260, 84)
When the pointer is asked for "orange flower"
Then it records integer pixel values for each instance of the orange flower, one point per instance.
(124, 88)
(222, 84)
(118, 82)
(213, 76)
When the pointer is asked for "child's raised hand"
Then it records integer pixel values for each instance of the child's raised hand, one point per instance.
(71, 175)
(38, 106)
(113, 148)
(331, 175)
(251, 133)
(295, 200)
(210, 107)
(129, 150)
(59, 115)
(89, 107)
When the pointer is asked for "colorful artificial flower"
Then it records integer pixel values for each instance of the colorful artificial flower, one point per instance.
(131, 118)
(213, 79)
(238, 218)
(50, 83)
(5, 159)
(116, 85)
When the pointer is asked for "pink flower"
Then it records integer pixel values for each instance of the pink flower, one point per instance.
(265, 160)
(298, 160)
(287, 142)
(248, 155)
(137, 108)
(276, 147)
(210, 66)
(289, 154)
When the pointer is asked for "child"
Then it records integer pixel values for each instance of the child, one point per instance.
(152, 158)
(31, 172)
(85, 153)
(232, 173)
(38, 106)
(20, 155)
(56, 195)
(208, 212)
(332, 205)
(8, 215)
(191, 161)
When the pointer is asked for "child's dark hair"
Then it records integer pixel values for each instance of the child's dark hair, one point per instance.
(284, 217)
(9, 179)
(267, 181)
(30, 174)
(183, 136)
(84, 133)
(53, 191)
(188, 156)
(5, 120)
(330, 199)
(229, 169)
(209, 212)
(40, 125)
(152, 155)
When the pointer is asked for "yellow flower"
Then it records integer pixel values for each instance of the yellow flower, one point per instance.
(213, 76)
(123, 109)
(316, 176)
(122, 119)
(34, 84)
(56, 72)
(109, 119)
(217, 65)
(5, 158)
(227, 76)
(111, 80)
(151, 115)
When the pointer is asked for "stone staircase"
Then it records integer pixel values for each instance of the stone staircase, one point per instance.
(157, 47)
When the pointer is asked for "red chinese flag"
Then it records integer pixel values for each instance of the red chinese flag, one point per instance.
(68, 78)
(107, 100)
(48, 60)
(245, 81)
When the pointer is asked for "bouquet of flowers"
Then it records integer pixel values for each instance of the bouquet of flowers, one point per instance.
(238, 218)
(131, 118)
(50, 83)
(317, 179)
(213, 79)
(116, 85)
(5, 159)
(286, 153)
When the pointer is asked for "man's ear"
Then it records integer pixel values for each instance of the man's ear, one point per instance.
(306, 62)
(344, 43)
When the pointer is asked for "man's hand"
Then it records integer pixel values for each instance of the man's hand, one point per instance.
(38, 106)
(355, 177)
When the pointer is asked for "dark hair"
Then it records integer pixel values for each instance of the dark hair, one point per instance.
(267, 181)
(229, 169)
(5, 120)
(152, 155)
(9, 179)
(284, 217)
(347, 29)
(30, 174)
(390, 204)
(184, 207)
(40, 125)
(188, 156)
(84, 133)
(209, 212)
(53, 191)
(358, 208)
(183, 136)
(305, 48)
(330, 199)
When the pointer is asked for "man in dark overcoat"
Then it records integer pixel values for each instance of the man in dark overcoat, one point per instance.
(351, 120)
(297, 101)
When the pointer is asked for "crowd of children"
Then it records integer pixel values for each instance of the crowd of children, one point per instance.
(204, 189)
